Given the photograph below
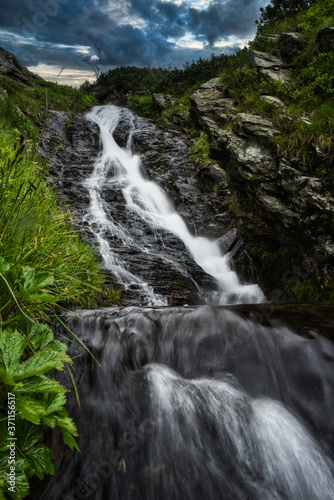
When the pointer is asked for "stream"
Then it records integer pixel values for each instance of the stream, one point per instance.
(185, 403)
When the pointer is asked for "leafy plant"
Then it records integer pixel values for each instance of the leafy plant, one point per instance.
(26, 354)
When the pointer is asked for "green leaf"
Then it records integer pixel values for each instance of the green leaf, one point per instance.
(39, 384)
(21, 482)
(30, 409)
(4, 265)
(21, 486)
(27, 434)
(58, 346)
(67, 423)
(69, 439)
(54, 403)
(50, 420)
(39, 458)
(26, 296)
(43, 361)
(38, 335)
(3, 435)
(12, 345)
(33, 282)
(6, 378)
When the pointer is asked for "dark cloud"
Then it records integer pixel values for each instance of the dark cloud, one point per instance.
(222, 20)
(94, 24)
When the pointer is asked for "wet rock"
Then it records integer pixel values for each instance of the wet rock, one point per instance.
(158, 257)
(290, 46)
(213, 176)
(227, 241)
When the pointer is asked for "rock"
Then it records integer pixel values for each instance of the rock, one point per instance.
(213, 176)
(270, 65)
(227, 241)
(274, 101)
(290, 45)
(11, 67)
(210, 100)
(253, 125)
(214, 83)
(325, 39)
(161, 101)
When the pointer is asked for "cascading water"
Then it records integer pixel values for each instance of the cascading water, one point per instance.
(123, 169)
(189, 403)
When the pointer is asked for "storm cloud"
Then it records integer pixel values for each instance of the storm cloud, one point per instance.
(139, 32)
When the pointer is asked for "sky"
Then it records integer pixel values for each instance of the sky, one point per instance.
(70, 41)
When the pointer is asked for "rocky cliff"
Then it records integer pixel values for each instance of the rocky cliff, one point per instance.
(11, 67)
(285, 213)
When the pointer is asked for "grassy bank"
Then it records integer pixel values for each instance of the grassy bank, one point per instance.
(44, 267)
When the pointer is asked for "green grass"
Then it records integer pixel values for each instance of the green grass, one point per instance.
(199, 151)
(37, 101)
(34, 229)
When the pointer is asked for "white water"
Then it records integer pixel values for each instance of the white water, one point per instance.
(150, 202)
(273, 451)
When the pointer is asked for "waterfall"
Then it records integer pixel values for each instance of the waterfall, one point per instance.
(194, 403)
(122, 169)
(186, 403)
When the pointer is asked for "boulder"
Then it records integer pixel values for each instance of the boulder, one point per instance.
(270, 65)
(161, 101)
(290, 45)
(325, 39)
(273, 101)
(228, 240)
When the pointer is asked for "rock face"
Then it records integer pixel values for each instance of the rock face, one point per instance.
(285, 212)
(10, 66)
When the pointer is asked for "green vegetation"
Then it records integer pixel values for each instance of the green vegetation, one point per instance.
(307, 120)
(143, 105)
(36, 101)
(44, 267)
(281, 9)
(177, 81)
(199, 151)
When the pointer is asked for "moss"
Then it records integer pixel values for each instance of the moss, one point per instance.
(199, 152)
(303, 291)
(329, 291)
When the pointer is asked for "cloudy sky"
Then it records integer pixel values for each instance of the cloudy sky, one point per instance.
(76, 38)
